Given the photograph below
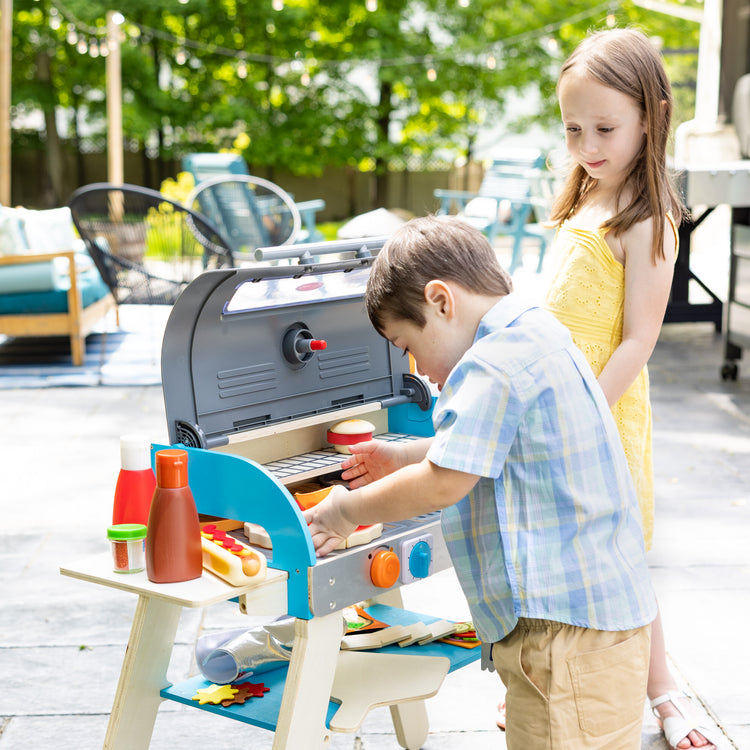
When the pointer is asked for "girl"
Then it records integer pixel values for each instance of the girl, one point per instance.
(615, 248)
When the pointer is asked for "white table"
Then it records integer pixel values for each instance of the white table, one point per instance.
(317, 670)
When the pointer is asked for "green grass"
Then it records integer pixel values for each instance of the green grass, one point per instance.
(329, 229)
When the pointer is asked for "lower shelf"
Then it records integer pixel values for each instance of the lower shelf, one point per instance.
(264, 712)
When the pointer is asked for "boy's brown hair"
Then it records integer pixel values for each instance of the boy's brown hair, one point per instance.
(626, 61)
(427, 248)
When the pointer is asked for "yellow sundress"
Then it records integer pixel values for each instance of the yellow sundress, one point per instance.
(587, 294)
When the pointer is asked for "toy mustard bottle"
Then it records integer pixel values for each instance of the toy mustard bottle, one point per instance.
(173, 542)
(135, 483)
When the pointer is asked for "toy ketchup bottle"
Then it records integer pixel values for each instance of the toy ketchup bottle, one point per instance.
(173, 541)
(135, 483)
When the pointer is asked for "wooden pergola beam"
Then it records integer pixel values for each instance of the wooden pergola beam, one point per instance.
(6, 45)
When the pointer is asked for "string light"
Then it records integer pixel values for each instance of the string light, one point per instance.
(54, 19)
(138, 33)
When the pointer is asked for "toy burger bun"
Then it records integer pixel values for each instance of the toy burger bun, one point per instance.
(349, 432)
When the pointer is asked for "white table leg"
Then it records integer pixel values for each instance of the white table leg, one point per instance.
(409, 719)
(411, 724)
(143, 674)
(308, 684)
(391, 598)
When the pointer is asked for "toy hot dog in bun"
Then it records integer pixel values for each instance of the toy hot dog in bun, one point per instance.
(349, 432)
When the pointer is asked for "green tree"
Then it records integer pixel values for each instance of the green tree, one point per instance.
(304, 84)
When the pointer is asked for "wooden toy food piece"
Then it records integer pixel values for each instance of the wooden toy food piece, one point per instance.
(349, 432)
(361, 535)
(235, 562)
(307, 500)
(214, 694)
(258, 536)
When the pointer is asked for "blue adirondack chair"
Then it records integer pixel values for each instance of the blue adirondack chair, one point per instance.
(250, 212)
(512, 200)
(205, 166)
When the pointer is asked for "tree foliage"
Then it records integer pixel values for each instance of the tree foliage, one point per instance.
(304, 84)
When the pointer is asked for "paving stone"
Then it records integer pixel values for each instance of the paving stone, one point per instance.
(62, 641)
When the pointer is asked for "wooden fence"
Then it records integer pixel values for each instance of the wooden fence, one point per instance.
(346, 192)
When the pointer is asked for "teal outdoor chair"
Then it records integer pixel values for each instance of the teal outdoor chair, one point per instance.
(513, 200)
(209, 166)
(249, 212)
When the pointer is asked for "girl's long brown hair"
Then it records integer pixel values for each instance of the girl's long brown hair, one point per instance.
(625, 60)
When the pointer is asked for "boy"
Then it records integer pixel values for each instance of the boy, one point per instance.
(538, 509)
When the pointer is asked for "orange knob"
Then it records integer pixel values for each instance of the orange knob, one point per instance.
(385, 568)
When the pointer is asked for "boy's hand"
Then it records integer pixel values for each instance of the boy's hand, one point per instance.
(327, 523)
(370, 461)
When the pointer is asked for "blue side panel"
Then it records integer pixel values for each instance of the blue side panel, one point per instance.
(231, 486)
(260, 712)
(409, 419)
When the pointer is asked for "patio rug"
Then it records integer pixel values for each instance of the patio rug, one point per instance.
(126, 356)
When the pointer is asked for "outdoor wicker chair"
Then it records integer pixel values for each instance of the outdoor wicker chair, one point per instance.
(146, 246)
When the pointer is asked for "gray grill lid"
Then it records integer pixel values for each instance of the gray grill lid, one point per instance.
(242, 351)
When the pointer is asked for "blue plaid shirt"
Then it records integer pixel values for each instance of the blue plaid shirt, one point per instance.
(552, 528)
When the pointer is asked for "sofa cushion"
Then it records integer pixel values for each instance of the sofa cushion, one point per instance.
(90, 285)
(12, 240)
(30, 277)
(43, 276)
(48, 230)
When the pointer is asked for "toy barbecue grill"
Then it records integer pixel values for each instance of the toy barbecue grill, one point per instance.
(257, 364)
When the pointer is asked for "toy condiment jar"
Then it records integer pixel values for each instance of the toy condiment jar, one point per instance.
(127, 540)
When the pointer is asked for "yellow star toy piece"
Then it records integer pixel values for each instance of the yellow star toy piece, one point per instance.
(214, 694)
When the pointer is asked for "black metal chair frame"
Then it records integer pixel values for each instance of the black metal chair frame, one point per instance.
(103, 211)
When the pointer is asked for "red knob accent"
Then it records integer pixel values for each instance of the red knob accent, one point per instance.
(318, 344)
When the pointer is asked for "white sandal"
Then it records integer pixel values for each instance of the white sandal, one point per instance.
(676, 728)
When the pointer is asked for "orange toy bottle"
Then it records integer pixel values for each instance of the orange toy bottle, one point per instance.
(173, 542)
(135, 483)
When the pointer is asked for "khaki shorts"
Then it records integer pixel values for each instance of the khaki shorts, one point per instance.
(571, 688)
